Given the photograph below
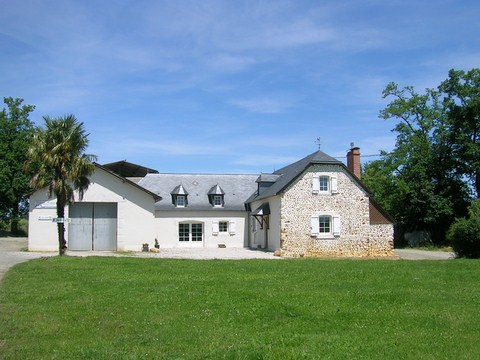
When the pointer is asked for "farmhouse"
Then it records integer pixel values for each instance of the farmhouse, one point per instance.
(316, 206)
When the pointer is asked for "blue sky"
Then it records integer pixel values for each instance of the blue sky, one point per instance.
(229, 86)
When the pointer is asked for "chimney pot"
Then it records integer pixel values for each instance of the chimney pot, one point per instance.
(353, 161)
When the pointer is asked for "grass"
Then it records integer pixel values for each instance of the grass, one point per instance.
(126, 308)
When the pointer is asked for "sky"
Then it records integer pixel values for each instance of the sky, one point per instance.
(229, 86)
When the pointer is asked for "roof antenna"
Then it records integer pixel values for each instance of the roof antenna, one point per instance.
(318, 142)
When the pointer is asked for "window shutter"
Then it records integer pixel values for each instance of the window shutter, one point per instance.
(215, 227)
(336, 225)
(334, 184)
(232, 227)
(315, 184)
(314, 225)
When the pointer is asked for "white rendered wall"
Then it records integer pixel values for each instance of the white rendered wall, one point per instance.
(42, 232)
(166, 225)
(135, 219)
(258, 236)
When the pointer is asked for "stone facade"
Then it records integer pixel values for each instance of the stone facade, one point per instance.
(349, 203)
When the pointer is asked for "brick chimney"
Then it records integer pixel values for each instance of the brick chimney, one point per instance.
(353, 161)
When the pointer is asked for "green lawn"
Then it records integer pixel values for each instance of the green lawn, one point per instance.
(126, 308)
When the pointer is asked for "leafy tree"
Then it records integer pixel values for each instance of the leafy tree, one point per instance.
(464, 235)
(59, 149)
(16, 131)
(419, 182)
(462, 100)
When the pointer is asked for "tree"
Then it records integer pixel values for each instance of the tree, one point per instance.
(464, 235)
(462, 100)
(59, 149)
(419, 182)
(16, 132)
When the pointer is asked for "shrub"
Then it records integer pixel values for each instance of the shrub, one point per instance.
(23, 227)
(5, 228)
(464, 234)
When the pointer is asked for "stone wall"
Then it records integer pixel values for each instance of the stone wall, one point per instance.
(357, 237)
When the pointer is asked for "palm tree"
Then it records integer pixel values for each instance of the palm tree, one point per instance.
(61, 164)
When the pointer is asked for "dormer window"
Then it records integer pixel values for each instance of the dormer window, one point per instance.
(264, 181)
(217, 200)
(216, 196)
(179, 196)
(180, 201)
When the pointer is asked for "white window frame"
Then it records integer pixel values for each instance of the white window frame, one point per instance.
(180, 203)
(334, 226)
(324, 225)
(224, 228)
(190, 241)
(323, 184)
(230, 229)
(217, 200)
(331, 184)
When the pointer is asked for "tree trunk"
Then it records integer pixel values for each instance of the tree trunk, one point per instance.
(62, 244)
(477, 184)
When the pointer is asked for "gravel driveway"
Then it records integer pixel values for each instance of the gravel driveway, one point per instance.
(13, 251)
(414, 254)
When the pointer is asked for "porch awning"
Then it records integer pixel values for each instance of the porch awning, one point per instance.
(263, 209)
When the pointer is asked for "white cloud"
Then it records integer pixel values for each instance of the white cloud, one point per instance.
(267, 75)
(278, 35)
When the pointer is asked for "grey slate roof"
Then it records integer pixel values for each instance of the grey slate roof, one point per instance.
(288, 173)
(237, 189)
(268, 177)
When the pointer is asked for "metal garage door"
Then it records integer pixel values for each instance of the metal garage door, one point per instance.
(93, 226)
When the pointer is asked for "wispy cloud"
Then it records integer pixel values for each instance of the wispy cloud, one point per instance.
(209, 80)
(230, 63)
(265, 105)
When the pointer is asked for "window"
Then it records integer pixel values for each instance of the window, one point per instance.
(216, 196)
(183, 232)
(179, 196)
(190, 232)
(197, 232)
(223, 226)
(325, 226)
(217, 200)
(324, 184)
(180, 201)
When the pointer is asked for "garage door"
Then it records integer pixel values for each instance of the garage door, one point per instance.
(93, 226)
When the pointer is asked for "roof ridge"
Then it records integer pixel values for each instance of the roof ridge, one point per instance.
(203, 174)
